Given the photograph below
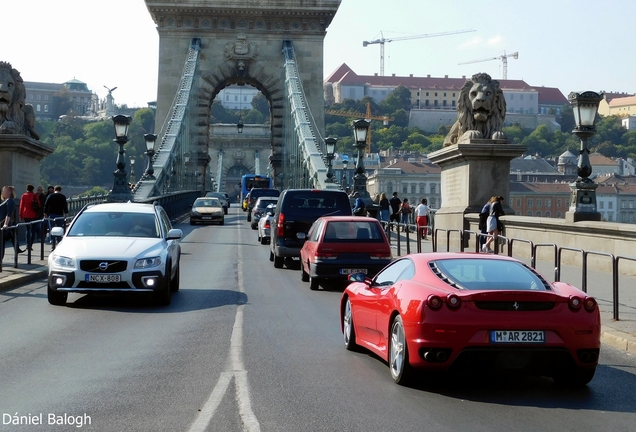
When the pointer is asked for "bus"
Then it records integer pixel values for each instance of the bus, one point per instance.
(249, 181)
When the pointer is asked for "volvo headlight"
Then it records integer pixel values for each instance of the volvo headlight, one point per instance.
(146, 263)
(63, 261)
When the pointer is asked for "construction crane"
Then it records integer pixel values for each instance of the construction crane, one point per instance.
(504, 60)
(384, 40)
(367, 116)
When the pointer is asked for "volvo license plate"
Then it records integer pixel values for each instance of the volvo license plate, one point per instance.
(517, 336)
(103, 278)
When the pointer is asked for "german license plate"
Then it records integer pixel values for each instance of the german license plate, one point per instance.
(517, 336)
(352, 271)
(206, 217)
(103, 278)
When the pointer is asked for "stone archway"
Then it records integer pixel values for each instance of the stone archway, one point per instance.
(241, 43)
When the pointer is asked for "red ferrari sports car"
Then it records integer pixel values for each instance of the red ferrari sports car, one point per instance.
(431, 311)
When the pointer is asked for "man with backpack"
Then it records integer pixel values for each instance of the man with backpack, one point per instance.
(30, 206)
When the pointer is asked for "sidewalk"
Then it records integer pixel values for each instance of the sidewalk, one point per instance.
(619, 334)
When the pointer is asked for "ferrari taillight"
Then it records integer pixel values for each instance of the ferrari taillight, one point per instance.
(589, 304)
(281, 226)
(575, 303)
(453, 301)
(435, 302)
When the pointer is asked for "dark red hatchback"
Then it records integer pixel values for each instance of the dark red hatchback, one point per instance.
(337, 246)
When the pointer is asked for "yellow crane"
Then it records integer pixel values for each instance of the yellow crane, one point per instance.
(384, 40)
(504, 60)
(367, 116)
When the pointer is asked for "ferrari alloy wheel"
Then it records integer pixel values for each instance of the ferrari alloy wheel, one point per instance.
(347, 328)
(401, 371)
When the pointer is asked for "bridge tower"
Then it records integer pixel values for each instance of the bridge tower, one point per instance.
(241, 43)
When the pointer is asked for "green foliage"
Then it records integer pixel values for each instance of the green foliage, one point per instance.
(95, 191)
(85, 153)
(260, 104)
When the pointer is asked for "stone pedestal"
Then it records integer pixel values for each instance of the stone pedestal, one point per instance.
(583, 202)
(20, 158)
(471, 174)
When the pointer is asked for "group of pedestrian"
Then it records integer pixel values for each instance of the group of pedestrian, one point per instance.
(399, 211)
(34, 205)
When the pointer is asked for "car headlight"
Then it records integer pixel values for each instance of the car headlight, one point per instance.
(146, 263)
(194, 212)
(63, 261)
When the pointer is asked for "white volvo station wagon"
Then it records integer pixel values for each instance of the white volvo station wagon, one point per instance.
(116, 247)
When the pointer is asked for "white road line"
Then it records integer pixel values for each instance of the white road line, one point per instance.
(234, 369)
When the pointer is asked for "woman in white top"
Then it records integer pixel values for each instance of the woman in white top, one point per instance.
(421, 212)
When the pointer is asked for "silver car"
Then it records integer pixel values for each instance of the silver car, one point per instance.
(116, 247)
(265, 224)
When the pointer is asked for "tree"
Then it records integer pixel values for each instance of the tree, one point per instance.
(261, 104)
(400, 98)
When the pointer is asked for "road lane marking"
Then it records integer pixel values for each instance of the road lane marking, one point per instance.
(234, 370)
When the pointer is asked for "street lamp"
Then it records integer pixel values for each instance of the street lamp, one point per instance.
(150, 152)
(345, 164)
(132, 170)
(120, 192)
(330, 144)
(583, 201)
(360, 130)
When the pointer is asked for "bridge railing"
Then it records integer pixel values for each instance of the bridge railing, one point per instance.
(303, 153)
(169, 164)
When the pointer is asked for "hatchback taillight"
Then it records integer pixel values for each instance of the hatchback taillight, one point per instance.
(280, 228)
(322, 256)
(267, 224)
(380, 256)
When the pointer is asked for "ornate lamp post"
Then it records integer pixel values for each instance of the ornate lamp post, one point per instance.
(150, 152)
(330, 144)
(121, 191)
(345, 183)
(132, 170)
(583, 202)
(360, 130)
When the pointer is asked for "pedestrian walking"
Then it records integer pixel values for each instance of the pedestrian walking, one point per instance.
(483, 220)
(29, 207)
(395, 204)
(405, 211)
(56, 207)
(493, 223)
(384, 208)
(421, 214)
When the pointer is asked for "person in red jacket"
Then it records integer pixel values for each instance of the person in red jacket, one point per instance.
(29, 206)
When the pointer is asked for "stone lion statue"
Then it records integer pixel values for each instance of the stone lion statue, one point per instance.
(16, 117)
(481, 111)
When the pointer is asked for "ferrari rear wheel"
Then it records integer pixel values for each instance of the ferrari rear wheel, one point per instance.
(347, 328)
(401, 370)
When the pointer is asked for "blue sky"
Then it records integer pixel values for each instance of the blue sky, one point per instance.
(570, 44)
